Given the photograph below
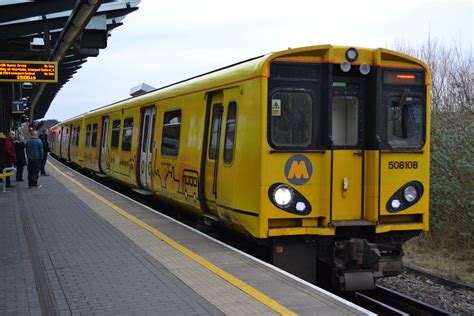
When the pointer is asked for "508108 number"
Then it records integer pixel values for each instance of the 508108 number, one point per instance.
(403, 165)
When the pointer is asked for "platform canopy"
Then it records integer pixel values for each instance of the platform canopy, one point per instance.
(63, 32)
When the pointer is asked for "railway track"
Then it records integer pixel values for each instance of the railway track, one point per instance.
(384, 301)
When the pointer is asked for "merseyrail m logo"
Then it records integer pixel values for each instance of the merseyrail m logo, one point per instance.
(298, 169)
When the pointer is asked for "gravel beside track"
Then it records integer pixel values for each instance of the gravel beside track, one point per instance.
(453, 299)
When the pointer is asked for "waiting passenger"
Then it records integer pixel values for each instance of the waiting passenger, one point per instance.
(10, 156)
(34, 153)
(20, 157)
(44, 139)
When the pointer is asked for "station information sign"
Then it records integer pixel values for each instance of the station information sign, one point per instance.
(28, 71)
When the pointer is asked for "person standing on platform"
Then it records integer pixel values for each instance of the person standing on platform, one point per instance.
(34, 153)
(10, 155)
(44, 139)
(20, 157)
(2, 153)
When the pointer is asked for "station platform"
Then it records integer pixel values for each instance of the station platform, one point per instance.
(77, 247)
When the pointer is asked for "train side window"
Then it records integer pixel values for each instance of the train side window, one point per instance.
(230, 132)
(78, 133)
(95, 128)
(127, 134)
(88, 135)
(171, 131)
(115, 134)
(291, 118)
(215, 130)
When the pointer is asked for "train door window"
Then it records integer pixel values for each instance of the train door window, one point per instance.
(152, 130)
(88, 135)
(171, 131)
(291, 118)
(73, 135)
(127, 134)
(345, 120)
(404, 120)
(95, 128)
(115, 134)
(230, 132)
(215, 130)
(78, 132)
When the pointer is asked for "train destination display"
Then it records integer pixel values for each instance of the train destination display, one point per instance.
(28, 71)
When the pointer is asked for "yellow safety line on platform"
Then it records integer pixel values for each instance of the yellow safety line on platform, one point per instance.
(274, 305)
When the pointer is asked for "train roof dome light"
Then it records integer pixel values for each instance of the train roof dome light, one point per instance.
(352, 54)
(345, 66)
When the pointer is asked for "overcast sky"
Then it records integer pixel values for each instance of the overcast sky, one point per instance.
(168, 41)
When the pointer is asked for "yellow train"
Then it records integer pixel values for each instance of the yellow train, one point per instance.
(319, 153)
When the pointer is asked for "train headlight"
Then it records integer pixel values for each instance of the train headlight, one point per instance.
(410, 193)
(352, 54)
(283, 195)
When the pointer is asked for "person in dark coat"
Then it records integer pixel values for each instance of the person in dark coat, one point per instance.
(34, 153)
(20, 157)
(44, 139)
(2, 153)
(10, 155)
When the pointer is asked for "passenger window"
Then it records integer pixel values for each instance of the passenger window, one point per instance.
(88, 135)
(115, 134)
(78, 132)
(291, 118)
(345, 120)
(95, 128)
(171, 131)
(127, 134)
(215, 131)
(230, 132)
(404, 121)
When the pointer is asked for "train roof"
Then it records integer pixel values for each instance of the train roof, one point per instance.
(256, 67)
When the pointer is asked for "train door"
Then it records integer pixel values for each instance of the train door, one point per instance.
(61, 135)
(347, 151)
(212, 150)
(146, 147)
(103, 145)
(69, 141)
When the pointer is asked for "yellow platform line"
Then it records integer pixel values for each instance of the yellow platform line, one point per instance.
(259, 296)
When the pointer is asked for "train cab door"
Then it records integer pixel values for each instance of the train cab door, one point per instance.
(103, 145)
(347, 102)
(146, 147)
(212, 151)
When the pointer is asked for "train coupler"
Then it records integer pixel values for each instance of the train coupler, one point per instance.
(355, 264)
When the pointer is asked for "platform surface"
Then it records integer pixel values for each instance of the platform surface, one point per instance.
(76, 247)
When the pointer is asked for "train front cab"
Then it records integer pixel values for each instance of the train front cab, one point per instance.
(345, 162)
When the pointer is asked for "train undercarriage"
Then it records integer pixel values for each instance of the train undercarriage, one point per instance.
(351, 260)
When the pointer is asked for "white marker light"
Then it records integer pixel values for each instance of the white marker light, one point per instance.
(345, 66)
(364, 69)
(396, 204)
(300, 206)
